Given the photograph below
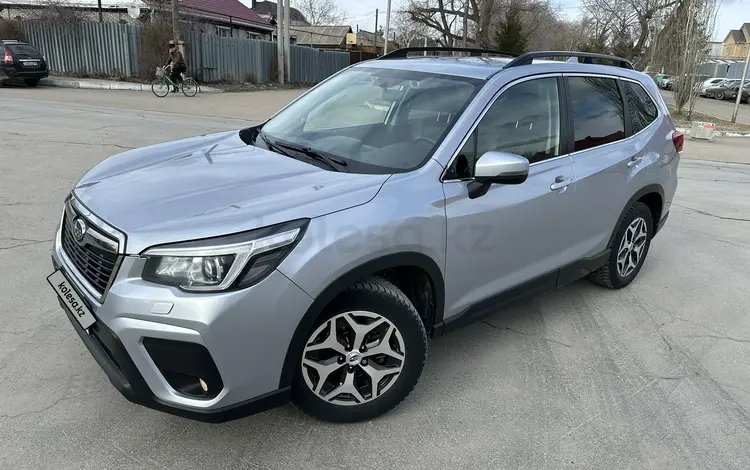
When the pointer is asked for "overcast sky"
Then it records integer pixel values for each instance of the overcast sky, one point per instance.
(731, 16)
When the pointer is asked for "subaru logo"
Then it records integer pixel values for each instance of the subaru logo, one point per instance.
(79, 229)
(354, 358)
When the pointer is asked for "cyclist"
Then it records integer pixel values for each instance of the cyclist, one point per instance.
(178, 64)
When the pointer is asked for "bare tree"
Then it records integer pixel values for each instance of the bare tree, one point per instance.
(409, 33)
(439, 16)
(627, 23)
(445, 18)
(59, 12)
(692, 28)
(320, 12)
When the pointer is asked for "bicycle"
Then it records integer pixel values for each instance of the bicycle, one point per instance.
(163, 83)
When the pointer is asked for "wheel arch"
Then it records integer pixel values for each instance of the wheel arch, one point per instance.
(393, 261)
(648, 195)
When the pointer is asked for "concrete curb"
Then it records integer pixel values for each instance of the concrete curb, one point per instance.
(686, 131)
(91, 84)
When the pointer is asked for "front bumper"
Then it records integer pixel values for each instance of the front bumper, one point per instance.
(246, 335)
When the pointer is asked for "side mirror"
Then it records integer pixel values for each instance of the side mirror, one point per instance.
(496, 167)
(501, 168)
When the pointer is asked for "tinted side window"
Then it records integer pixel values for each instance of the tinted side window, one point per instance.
(642, 108)
(598, 111)
(525, 120)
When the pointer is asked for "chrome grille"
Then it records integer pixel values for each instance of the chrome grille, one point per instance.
(95, 257)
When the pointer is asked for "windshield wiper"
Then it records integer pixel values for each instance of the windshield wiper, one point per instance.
(333, 163)
(271, 145)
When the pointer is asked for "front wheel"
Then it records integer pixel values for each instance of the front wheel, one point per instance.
(160, 87)
(363, 357)
(631, 244)
(719, 95)
(189, 87)
(748, 100)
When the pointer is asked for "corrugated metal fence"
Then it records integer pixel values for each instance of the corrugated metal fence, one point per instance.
(92, 48)
(736, 69)
(112, 49)
(722, 69)
(213, 58)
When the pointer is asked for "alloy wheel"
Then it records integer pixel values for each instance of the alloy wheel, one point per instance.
(353, 358)
(632, 245)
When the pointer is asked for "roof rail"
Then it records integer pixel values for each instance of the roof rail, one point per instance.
(404, 52)
(527, 58)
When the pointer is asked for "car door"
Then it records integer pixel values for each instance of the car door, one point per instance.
(609, 160)
(513, 234)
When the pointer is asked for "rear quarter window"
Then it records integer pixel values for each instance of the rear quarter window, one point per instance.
(598, 111)
(642, 108)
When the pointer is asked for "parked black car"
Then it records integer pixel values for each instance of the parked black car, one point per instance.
(728, 91)
(21, 61)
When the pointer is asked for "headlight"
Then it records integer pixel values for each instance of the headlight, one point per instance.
(217, 264)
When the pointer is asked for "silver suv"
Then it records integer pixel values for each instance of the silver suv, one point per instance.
(311, 257)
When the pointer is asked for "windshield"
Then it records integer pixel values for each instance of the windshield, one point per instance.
(374, 120)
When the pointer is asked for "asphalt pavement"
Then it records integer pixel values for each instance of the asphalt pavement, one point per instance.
(721, 109)
(652, 376)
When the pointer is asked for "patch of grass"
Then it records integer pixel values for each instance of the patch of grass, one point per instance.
(722, 125)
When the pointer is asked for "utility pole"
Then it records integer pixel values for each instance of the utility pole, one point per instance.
(742, 84)
(425, 45)
(175, 22)
(466, 23)
(99, 4)
(287, 43)
(376, 31)
(387, 27)
(279, 39)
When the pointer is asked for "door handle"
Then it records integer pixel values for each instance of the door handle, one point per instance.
(560, 183)
(634, 161)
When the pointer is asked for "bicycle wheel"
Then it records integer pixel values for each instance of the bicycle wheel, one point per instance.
(160, 87)
(189, 87)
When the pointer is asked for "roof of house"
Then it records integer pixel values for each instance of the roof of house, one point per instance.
(737, 36)
(367, 39)
(321, 35)
(270, 8)
(219, 10)
(224, 10)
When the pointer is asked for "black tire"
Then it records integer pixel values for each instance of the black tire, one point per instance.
(608, 275)
(747, 100)
(160, 87)
(32, 82)
(378, 296)
(189, 87)
(719, 95)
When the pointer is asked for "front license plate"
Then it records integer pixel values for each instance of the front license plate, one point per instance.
(71, 299)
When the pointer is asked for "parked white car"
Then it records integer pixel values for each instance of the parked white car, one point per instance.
(709, 83)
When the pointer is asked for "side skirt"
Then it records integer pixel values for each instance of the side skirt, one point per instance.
(546, 282)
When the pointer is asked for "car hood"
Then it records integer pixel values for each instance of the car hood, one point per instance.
(210, 186)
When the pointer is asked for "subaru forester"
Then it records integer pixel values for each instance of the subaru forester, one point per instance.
(311, 257)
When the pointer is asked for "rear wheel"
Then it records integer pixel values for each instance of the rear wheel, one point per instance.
(189, 87)
(719, 95)
(363, 357)
(632, 241)
(32, 82)
(748, 100)
(160, 87)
